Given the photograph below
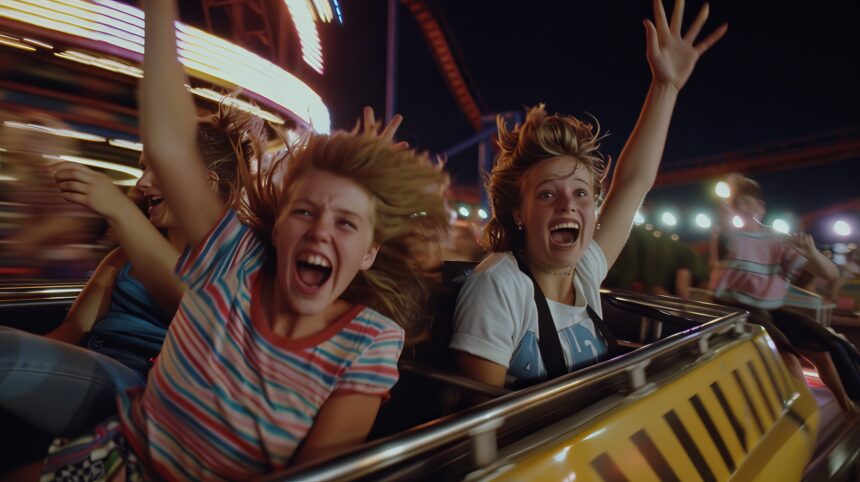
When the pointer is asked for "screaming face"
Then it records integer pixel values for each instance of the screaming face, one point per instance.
(157, 210)
(323, 237)
(557, 211)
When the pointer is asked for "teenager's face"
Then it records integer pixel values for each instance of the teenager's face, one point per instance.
(159, 214)
(323, 236)
(557, 210)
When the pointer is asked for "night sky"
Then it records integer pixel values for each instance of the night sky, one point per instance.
(784, 70)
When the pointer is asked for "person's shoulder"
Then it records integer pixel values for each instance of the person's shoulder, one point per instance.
(498, 265)
(371, 320)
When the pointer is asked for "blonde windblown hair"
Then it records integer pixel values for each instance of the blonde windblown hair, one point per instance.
(406, 189)
(540, 137)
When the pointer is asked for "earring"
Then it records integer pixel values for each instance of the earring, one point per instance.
(520, 226)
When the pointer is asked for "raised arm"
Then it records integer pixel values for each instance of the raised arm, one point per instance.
(152, 256)
(817, 263)
(672, 58)
(169, 127)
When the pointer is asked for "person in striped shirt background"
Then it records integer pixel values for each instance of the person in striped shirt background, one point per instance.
(756, 274)
(287, 338)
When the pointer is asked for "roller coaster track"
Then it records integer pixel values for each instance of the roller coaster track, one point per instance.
(444, 58)
(818, 149)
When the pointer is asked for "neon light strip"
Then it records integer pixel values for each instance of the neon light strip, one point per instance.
(16, 44)
(55, 131)
(131, 171)
(303, 18)
(132, 146)
(204, 55)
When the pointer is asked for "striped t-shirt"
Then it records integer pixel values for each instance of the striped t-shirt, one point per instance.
(229, 399)
(758, 269)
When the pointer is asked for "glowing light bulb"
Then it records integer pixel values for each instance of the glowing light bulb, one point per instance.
(669, 219)
(780, 225)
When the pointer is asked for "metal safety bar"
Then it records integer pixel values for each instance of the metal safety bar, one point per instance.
(390, 451)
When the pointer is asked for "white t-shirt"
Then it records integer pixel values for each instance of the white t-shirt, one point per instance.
(496, 317)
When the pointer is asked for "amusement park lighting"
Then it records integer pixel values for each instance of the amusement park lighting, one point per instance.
(639, 218)
(302, 14)
(38, 43)
(669, 219)
(55, 131)
(134, 172)
(16, 44)
(722, 190)
(464, 211)
(737, 222)
(781, 226)
(130, 145)
(101, 62)
(842, 228)
(482, 213)
(119, 28)
(703, 221)
(236, 103)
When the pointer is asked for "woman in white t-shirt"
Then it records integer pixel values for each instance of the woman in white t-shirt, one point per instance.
(543, 192)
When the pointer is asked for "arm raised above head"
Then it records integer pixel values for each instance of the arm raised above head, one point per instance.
(169, 127)
(672, 58)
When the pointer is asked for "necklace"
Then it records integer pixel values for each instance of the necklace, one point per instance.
(564, 273)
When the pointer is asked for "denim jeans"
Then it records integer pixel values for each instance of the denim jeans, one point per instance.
(58, 388)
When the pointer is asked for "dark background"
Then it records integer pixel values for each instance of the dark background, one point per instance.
(785, 70)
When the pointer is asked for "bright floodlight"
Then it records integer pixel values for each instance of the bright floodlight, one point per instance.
(482, 213)
(841, 228)
(781, 226)
(464, 211)
(722, 190)
(639, 218)
(738, 222)
(703, 221)
(669, 219)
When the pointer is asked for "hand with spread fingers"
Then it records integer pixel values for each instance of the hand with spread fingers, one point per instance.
(371, 126)
(672, 56)
(91, 189)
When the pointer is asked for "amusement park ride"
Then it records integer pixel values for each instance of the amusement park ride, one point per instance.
(698, 394)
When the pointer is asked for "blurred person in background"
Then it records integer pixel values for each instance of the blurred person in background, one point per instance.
(756, 272)
(117, 325)
(53, 238)
(462, 243)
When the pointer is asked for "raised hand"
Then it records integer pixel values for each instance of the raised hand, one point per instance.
(672, 56)
(371, 126)
(803, 244)
(90, 189)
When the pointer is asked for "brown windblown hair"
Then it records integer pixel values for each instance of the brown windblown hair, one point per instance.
(540, 137)
(223, 139)
(407, 192)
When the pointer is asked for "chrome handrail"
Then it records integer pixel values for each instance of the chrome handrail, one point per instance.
(392, 450)
(28, 292)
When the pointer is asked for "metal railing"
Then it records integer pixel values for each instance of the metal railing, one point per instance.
(477, 421)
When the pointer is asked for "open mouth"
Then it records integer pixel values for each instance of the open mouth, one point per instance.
(564, 234)
(154, 201)
(313, 269)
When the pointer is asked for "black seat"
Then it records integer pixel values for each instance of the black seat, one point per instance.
(416, 398)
